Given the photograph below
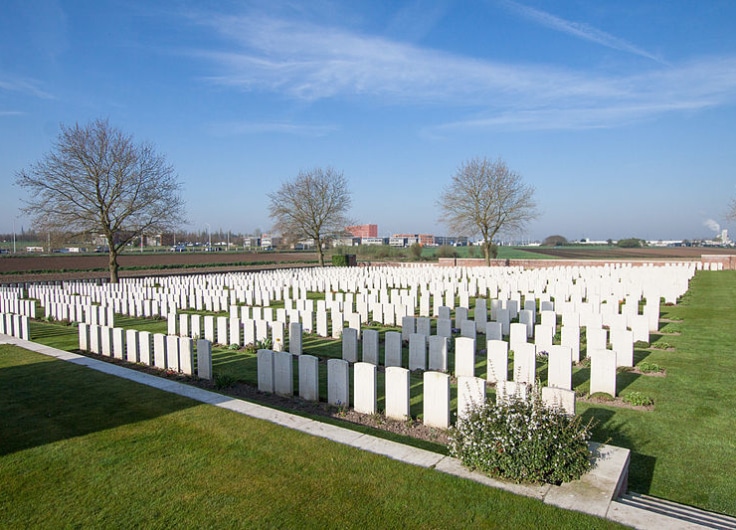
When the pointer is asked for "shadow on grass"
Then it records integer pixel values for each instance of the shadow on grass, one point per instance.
(47, 400)
(624, 379)
(608, 429)
(640, 355)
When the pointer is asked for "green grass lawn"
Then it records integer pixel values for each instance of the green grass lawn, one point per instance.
(83, 449)
(682, 450)
(685, 449)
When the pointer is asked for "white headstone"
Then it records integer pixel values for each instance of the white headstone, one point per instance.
(622, 342)
(338, 382)
(309, 377)
(497, 355)
(145, 351)
(436, 400)
(265, 371)
(494, 331)
(525, 363)
(570, 337)
(559, 398)
(159, 350)
(397, 393)
(204, 359)
(393, 354)
(350, 345)
(172, 352)
(295, 338)
(438, 353)
(471, 392)
(417, 352)
(370, 346)
(283, 373)
(603, 372)
(559, 367)
(464, 357)
(444, 327)
(506, 390)
(365, 388)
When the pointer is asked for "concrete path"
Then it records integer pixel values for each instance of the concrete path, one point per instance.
(597, 493)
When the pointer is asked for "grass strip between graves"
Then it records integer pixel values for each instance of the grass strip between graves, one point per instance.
(84, 449)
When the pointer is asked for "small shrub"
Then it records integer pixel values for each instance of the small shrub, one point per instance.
(647, 367)
(638, 399)
(233, 347)
(671, 328)
(522, 441)
(602, 396)
(446, 251)
(224, 381)
(340, 260)
(265, 344)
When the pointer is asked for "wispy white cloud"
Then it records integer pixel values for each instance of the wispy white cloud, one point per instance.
(245, 127)
(577, 29)
(12, 83)
(308, 62)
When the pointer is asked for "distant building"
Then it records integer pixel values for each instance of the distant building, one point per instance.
(251, 242)
(406, 240)
(373, 241)
(349, 241)
(455, 241)
(268, 242)
(304, 244)
(363, 230)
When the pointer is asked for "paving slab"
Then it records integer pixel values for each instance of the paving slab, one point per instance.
(595, 490)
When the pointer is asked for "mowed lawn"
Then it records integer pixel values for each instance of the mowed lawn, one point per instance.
(83, 449)
(682, 450)
(685, 449)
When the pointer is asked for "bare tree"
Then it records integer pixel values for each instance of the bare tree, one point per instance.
(312, 206)
(97, 181)
(485, 197)
(731, 215)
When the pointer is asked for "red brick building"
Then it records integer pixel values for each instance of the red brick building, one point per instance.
(363, 230)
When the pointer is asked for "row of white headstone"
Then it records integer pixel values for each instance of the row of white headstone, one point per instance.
(15, 325)
(401, 291)
(559, 358)
(166, 352)
(276, 375)
(12, 303)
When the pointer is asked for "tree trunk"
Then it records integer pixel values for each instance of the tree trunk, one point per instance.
(487, 252)
(320, 253)
(113, 263)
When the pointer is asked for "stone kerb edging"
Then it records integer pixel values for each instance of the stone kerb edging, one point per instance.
(592, 494)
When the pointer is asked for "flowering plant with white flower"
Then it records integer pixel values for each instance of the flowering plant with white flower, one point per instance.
(522, 440)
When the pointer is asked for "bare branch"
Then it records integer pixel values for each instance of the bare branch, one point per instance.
(314, 205)
(486, 198)
(96, 180)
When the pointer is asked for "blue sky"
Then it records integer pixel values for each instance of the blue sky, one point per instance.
(621, 114)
